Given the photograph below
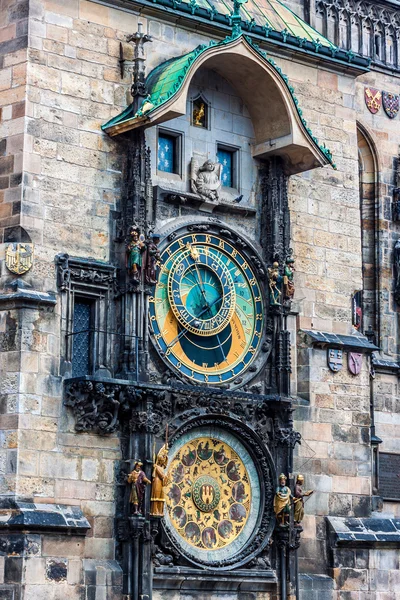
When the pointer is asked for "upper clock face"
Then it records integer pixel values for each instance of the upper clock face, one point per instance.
(207, 309)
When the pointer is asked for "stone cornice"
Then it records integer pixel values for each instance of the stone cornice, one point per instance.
(28, 516)
(27, 298)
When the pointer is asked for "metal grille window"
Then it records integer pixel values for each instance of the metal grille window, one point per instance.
(166, 153)
(81, 338)
(227, 160)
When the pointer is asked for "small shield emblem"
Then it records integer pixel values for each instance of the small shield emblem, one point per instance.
(19, 257)
(335, 360)
(391, 104)
(354, 362)
(373, 100)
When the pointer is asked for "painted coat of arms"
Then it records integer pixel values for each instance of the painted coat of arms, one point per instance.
(391, 104)
(354, 362)
(335, 359)
(373, 100)
(19, 257)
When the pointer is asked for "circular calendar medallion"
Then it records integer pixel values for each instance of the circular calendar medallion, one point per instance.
(206, 493)
(213, 499)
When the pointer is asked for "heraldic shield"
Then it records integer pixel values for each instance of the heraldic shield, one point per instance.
(373, 100)
(19, 257)
(354, 362)
(391, 104)
(335, 359)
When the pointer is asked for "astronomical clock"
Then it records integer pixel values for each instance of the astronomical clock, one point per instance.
(195, 372)
(207, 318)
(207, 312)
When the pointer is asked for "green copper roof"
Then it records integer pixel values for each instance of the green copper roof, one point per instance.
(164, 81)
(269, 14)
(263, 19)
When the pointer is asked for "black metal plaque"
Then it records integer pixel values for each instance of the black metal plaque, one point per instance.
(389, 476)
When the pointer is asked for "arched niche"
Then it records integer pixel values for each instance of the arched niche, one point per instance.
(278, 125)
(368, 186)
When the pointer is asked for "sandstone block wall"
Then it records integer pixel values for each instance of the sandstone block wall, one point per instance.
(13, 68)
(67, 176)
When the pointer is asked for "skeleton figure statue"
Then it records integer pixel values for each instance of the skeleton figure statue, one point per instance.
(275, 280)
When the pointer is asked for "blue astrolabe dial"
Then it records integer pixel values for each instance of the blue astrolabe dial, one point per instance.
(207, 312)
(201, 291)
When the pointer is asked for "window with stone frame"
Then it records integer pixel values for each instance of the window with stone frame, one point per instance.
(229, 158)
(82, 336)
(169, 151)
(89, 341)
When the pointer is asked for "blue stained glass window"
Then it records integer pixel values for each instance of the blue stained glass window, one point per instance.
(166, 153)
(81, 339)
(225, 157)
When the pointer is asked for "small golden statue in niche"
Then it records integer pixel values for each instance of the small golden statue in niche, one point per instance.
(199, 113)
(159, 481)
(282, 501)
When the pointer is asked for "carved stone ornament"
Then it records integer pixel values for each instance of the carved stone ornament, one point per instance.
(356, 19)
(19, 257)
(206, 179)
(286, 436)
(100, 407)
(76, 270)
(96, 406)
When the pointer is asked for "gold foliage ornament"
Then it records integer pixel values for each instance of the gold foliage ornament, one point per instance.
(209, 495)
(19, 257)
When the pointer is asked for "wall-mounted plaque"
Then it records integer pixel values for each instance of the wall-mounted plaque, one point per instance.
(389, 476)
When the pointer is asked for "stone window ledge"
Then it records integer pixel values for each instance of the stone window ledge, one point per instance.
(186, 578)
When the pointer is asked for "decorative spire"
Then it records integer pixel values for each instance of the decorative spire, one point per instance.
(138, 89)
(236, 18)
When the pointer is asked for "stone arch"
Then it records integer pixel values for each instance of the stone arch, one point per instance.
(391, 46)
(356, 37)
(332, 25)
(344, 30)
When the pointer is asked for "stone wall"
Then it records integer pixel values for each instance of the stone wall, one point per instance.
(54, 568)
(72, 182)
(13, 68)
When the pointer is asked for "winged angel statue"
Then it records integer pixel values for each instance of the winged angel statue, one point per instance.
(206, 179)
